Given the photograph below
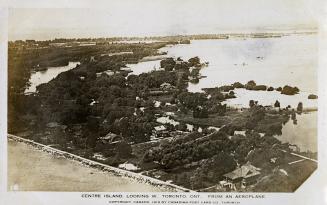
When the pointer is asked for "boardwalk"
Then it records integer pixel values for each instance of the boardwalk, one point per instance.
(297, 161)
(301, 156)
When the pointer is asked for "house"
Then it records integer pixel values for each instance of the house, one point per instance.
(167, 86)
(111, 138)
(53, 124)
(294, 148)
(245, 175)
(157, 92)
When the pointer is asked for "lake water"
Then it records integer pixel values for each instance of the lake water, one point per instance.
(144, 67)
(33, 170)
(40, 77)
(290, 60)
(303, 134)
(243, 97)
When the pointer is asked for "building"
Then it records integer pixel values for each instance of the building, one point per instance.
(111, 138)
(243, 176)
(167, 86)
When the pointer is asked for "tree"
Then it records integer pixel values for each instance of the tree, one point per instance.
(197, 179)
(299, 107)
(251, 103)
(216, 166)
(123, 150)
(289, 90)
(168, 64)
(270, 89)
(257, 114)
(181, 127)
(200, 112)
(192, 100)
(60, 136)
(219, 108)
(195, 72)
(250, 85)
(195, 61)
(92, 131)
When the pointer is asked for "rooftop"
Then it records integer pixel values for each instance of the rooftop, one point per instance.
(245, 171)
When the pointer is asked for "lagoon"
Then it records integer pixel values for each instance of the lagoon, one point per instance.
(289, 60)
(40, 77)
(303, 134)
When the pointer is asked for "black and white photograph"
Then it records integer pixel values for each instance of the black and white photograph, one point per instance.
(163, 96)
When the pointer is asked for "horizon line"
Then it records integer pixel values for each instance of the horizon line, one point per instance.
(295, 31)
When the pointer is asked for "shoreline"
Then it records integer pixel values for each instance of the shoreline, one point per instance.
(99, 166)
(141, 99)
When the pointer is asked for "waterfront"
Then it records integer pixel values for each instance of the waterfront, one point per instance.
(264, 60)
(29, 170)
(303, 134)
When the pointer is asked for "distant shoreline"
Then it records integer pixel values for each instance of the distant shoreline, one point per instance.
(222, 35)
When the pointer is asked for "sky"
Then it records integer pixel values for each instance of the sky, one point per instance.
(160, 18)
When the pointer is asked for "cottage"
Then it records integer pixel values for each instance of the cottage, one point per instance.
(167, 86)
(245, 175)
(107, 72)
(294, 148)
(53, 124)
(111, 138)
(156, 92)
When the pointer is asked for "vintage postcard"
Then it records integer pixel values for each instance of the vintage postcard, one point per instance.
(154, 102)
